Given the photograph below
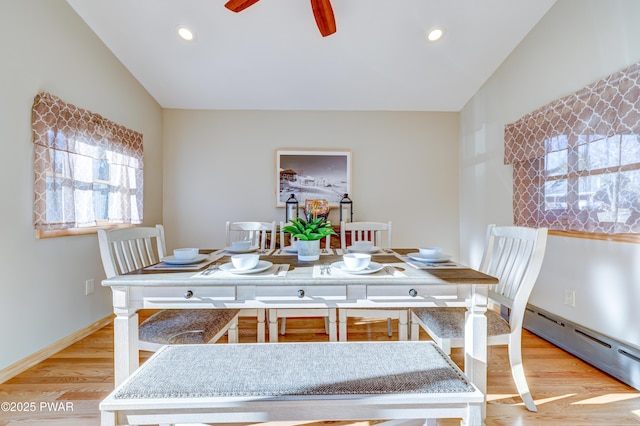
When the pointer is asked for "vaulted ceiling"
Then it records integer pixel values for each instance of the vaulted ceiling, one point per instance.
(271, 55)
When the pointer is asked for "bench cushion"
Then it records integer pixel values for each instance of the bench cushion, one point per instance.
(294, 369)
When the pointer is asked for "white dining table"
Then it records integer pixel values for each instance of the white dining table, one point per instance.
(401, 283)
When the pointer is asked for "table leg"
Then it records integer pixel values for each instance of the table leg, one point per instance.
(125, 336)
(475, 340)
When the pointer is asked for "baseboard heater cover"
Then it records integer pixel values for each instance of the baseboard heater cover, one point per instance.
(612, 357)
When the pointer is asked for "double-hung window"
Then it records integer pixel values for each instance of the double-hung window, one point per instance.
(88, 170)
(577, 160)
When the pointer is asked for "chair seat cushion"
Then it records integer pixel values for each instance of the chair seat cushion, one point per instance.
(448, 323)
(185, 326)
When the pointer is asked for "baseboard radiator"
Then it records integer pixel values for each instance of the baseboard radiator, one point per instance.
(604, 353)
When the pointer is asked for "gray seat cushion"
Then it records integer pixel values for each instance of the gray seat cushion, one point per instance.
(295, 369)
(185, 326)
(448, 323)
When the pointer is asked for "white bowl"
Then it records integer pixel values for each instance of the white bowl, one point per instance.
(241, 245)
(362, 245)
(356, 261)
(244, 262)
(185, 253)
(430, 252)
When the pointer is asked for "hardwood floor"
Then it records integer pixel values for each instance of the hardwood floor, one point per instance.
(67, 388)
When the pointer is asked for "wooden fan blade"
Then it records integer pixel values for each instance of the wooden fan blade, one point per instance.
(239, 5)
(323, 12)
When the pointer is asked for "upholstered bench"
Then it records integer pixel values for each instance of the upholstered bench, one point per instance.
(294, 382)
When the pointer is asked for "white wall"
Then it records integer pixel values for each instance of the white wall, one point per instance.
(220, 165)
(578, 42)
(46, 47)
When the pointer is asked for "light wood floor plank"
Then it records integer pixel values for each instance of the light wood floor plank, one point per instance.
(566, 390)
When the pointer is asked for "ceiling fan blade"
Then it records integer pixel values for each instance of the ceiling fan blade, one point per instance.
(239, 5)
(323, 12)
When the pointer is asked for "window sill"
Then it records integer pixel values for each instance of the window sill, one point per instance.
(70, 232)
(623, 238)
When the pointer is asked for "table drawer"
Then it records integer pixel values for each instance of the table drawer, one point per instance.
(190, 293)
(411, 292)
(332, 292)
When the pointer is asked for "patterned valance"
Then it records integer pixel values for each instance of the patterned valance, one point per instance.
(608, 107)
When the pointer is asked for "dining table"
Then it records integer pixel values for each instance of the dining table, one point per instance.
(394, 279)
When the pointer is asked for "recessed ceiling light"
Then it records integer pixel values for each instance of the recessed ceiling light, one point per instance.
(435, 34)
(185, 33)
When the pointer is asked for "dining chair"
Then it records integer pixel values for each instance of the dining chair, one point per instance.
(282, 313)
(365, 231)
(375, 232)
(261, 234)
(513, 254)
(127, 249)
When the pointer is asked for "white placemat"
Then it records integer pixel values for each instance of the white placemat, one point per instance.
(277, 270)
(427, 265)
(162, 266)
(385, 272)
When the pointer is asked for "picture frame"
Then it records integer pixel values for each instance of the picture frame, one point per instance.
(312, 174)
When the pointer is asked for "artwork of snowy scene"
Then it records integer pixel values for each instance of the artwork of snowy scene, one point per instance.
(313, 176)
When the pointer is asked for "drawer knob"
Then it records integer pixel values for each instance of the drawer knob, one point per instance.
(301, 293)
(188, 294)
(413, 292)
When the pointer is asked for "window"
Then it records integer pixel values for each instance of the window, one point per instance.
(88, 170)
(577, 160)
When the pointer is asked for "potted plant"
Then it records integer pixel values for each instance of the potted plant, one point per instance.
(308, 234)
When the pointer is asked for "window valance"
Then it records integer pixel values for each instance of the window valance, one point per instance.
(576, 161)
(88, 169)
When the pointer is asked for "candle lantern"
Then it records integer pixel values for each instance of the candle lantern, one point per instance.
(346, 209)
(291, 211)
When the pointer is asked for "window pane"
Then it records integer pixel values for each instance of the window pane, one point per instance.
(556, 163)
(555, 194)
(631, 149)
(599, 154)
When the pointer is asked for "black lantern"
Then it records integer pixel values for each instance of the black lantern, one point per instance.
(291, 212)
(346, 209)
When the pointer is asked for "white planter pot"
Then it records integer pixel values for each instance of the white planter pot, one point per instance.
(308, 250)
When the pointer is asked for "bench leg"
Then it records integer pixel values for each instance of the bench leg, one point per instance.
(107, 418)
(474, 416)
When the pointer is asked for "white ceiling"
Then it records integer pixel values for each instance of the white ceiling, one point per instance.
(272, 57)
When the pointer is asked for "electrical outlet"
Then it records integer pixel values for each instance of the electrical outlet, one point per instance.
(570, 297)
(88, 287)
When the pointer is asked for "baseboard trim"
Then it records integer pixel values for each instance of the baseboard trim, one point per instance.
(44, 353)
(603, 352)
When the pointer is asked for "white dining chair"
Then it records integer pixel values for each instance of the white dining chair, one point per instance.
(365, 231)
(379, 233)
(261, 234)
(281, 314)
(514, 255)
(127, 249)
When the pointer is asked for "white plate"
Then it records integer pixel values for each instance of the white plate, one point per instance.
(171, 260)
(290, 249)
(373, 249)
(233, 250)
(373, 267)
(417, 256)
(262, 265)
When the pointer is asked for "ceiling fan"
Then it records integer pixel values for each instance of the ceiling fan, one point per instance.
(322, 11)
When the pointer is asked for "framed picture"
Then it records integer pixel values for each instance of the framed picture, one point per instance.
(312, 175)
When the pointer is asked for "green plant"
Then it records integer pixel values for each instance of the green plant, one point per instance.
(314, 229)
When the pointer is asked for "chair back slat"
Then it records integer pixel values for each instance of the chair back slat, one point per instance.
(125, 250)
(262, 234)
(365, 231)
(513, 255)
